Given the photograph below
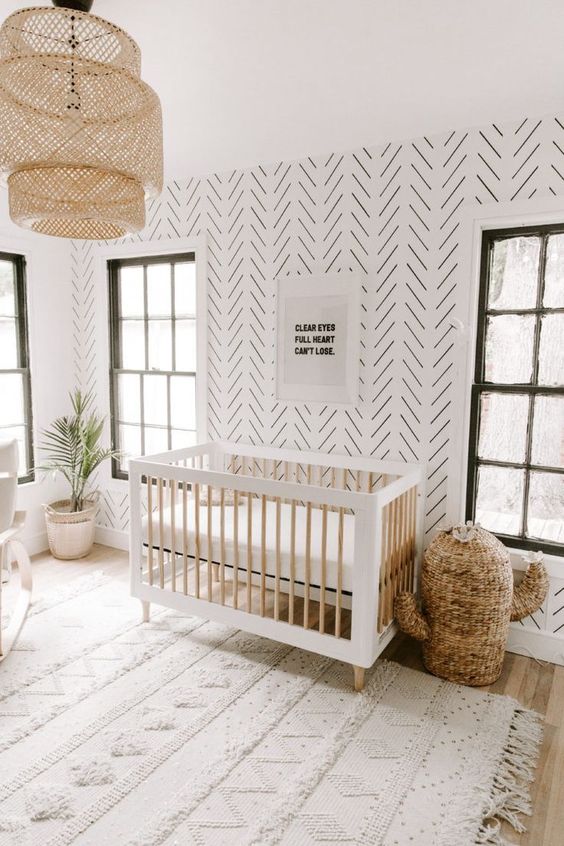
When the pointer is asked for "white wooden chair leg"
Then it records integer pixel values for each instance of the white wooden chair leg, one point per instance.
(17, 552)
(358, 677)
(146, 610)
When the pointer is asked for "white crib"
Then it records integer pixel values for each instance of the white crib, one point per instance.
(305, 548)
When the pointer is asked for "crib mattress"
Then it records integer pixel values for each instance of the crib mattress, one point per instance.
(177, 544)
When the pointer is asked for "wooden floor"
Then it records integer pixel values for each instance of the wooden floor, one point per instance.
(535, 685)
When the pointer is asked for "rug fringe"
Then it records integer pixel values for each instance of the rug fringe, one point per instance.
(510, 797)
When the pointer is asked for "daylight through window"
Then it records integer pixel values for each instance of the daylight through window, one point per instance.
(153, 355)
(516, 470)
(15, 389)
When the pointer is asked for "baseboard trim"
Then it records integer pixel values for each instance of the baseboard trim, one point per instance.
(544, 646)
(35, 543)
(111, 537)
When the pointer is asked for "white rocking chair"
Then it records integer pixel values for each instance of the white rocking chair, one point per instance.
(11, 524)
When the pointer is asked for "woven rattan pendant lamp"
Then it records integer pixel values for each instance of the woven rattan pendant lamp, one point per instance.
(80, 132)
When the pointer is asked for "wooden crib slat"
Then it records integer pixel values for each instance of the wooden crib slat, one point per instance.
(292, 562)
(398, 551)
(398, 587)
(405, 541)
(185, 538)
(196, 489)
(382, 574)
(249, 552)
(277, 570)
(235, 548)
(307, 574)
(400, 548)
(150, 527)
(263, 513)
(392, 559)
(412, 528)
(172, 486)
(389, 534)
(222, 546)
(388, 576)
(339, 597)
(210, 543)
(161, 531)
(323, 580)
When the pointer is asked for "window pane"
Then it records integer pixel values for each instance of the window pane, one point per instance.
(551, 353)
(554, 273)
(131, 292)
(185, 289)
(160, 345)
(129, 398)
(503, 427)
(509, 349)
(7, 292)
(156, 440)
(514, 273)
(183, 402)
(499, 499)
(8, 344)
(132, 345)
(545, 516)
(12, 405)
(186, 345)
(548, 432)
(158, 290)
(129, 444)
(20, 435)
(155, 399)
(183, 439)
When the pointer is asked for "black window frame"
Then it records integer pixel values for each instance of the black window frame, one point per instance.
(114, 266)
(532, 389)
(23, 357)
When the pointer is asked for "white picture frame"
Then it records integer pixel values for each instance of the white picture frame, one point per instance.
(318, 338)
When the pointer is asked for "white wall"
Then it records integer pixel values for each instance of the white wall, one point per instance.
(50, 316)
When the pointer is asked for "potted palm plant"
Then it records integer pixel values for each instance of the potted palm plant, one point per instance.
(72, 447)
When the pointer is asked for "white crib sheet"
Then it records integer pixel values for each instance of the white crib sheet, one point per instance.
(285, 538)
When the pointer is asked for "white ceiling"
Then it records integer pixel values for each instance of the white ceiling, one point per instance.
(249, 81)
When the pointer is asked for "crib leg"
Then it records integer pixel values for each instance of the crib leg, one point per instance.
(358, 677)
(215, 572)
(146, 610)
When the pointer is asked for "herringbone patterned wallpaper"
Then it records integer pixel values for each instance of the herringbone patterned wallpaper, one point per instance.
(391, 213)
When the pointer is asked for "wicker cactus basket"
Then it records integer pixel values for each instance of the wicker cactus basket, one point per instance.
(468, 600)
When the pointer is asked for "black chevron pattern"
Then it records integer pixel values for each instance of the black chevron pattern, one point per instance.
(393, 215)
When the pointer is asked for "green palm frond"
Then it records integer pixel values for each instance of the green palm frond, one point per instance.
(72, 446)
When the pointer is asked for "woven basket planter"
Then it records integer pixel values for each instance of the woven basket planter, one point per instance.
(70, 533)
(468, 600)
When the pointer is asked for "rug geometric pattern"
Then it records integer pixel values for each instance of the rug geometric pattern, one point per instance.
(186, 731)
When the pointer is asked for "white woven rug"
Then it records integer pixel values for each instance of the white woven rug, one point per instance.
(186, 732)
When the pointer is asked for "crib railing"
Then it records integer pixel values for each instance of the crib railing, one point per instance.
(304, 473)
(265, 536)
(243, 581)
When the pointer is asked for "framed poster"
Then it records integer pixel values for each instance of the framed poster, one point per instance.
(317, 344)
